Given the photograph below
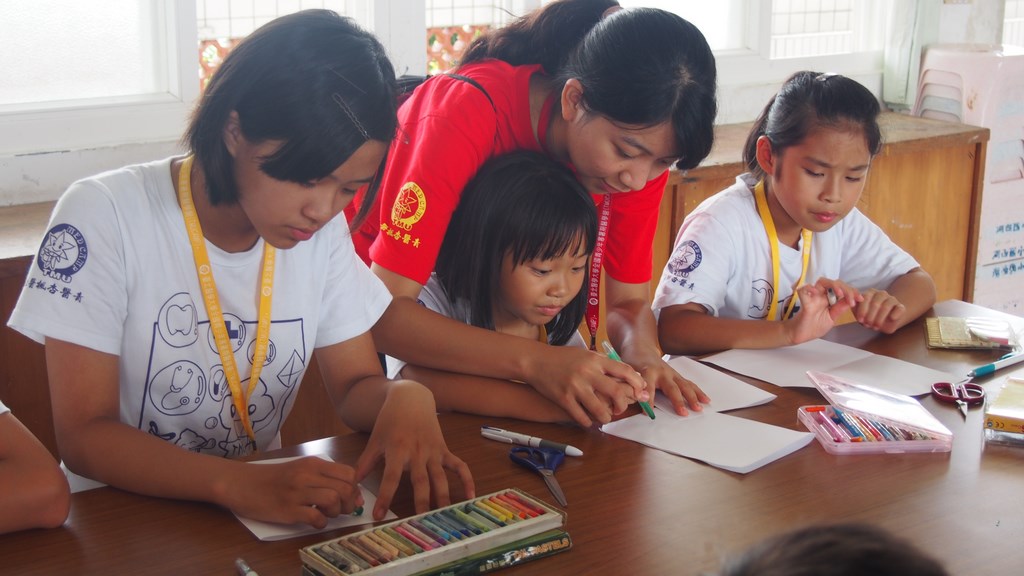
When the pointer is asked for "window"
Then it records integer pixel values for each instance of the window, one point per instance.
(94, 73)
(1013, 23)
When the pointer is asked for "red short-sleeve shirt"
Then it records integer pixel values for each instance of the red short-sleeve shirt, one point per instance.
(447, 129)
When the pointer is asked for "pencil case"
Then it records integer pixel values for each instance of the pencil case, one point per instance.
(418, 543)
(860, 419)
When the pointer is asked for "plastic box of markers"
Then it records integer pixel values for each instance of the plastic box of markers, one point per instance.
(418, 543)
(861, 419)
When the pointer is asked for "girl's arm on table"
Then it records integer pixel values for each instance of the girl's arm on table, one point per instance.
(35, 490)
(402, 420)
(691, 329)
(907, 298)
(587, 385)
(634, 332)
(93, 442)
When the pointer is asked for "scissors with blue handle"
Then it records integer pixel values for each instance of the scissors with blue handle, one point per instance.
(963, 395)
(543, 461)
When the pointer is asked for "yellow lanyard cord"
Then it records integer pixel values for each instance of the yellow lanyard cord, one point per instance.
(212, 302)
(773, 244)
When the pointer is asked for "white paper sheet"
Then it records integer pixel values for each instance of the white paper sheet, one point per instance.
(269, 531)
(727, 442)
(723, 441)
(726, 392)
(788, 367)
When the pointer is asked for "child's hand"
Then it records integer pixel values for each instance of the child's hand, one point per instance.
(307, 490)
(587, 385)
(880, 311)
(816, 317)
(408, 437)
(680, 391)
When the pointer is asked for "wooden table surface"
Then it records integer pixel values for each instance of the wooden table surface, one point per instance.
(632, 510)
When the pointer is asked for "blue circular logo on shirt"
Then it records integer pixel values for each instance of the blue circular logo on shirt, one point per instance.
(687, 258)
(63, 252)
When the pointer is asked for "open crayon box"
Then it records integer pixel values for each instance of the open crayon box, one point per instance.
(861, 419)
(417, 543)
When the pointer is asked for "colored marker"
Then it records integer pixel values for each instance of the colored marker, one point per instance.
(1008, 360)
(615, 356)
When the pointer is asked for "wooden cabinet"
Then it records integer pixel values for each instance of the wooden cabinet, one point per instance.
(923, 190)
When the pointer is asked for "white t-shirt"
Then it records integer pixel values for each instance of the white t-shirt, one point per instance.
(434, 298)
(721, 259)
(4, 409)
(115, 273)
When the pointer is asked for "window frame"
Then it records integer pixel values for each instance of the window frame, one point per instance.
(101, 122)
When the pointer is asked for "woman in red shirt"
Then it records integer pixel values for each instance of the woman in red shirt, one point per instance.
(618, 95)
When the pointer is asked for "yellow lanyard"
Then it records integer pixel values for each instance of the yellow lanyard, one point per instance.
(773, 244)
(212, 302)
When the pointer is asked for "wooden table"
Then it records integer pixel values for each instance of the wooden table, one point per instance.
(632, 510)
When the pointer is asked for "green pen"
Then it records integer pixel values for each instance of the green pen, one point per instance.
(615, 356)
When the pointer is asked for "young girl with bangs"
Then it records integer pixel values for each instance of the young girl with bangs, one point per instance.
(773, 245)
(514, 260)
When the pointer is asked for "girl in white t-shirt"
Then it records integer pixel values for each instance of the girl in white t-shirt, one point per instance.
(513, 260)
(789, 232)
(159, 376)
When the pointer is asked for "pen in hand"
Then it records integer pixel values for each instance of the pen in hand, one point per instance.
(615, 356)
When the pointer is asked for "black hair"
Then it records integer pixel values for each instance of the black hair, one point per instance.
(526, 205)
(848, 549)
(809, 100)
(315, 81)
(638, 66)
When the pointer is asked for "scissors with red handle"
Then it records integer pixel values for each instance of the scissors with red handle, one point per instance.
(963, 395)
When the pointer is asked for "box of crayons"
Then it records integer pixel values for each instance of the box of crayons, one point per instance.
(866, 420)
(452, 537)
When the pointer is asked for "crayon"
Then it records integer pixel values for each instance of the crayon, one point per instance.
(403, 547)
(336, 560)
(354, 547)
(337, 548)
(519, 506)
(427, 531)
(390, 531)
(401, 529)
(450, 526)
(526, 504)
(474, 508)
(436, 528)
(507, 508)
(379, 552)
(455, 519)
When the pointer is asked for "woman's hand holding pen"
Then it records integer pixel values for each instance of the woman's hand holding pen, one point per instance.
(588, 386)
(306, 490)
(408, 437)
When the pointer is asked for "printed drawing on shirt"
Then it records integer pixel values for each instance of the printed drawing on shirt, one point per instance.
(63, 253)
(686, 259)
(761, 294)
(190, 404)
(408, 209)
